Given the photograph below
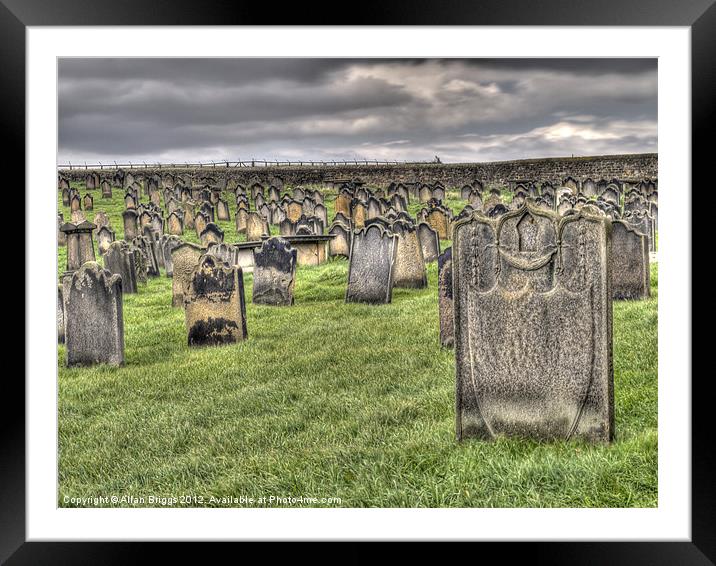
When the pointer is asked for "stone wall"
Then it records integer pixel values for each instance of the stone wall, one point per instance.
(632, 167)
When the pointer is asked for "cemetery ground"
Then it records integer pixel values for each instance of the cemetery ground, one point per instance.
(335, 400)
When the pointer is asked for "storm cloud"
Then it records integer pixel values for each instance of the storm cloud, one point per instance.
(461, 110)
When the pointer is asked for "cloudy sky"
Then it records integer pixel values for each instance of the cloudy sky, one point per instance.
(462, 110)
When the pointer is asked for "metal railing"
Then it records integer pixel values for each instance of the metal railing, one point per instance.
(236, 164)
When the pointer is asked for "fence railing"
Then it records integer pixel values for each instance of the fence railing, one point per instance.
(229, 164)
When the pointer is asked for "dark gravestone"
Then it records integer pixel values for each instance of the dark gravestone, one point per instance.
(94, 325)
(429, 242)
(409, 270)
(274, 273)
(630, 263)
(533, 343)
(119, 259)
(445, 308)
(372, 261)
(211, 234)
(214, 304)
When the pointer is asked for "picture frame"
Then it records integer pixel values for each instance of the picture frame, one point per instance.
(16, 16)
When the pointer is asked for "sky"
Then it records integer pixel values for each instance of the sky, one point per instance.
(461, 110)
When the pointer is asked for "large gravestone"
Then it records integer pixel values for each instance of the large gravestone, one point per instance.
(445, 308)
(371, 267)
(630, 263)
(214, 304)
(533, 328)
(274, 273)
(429, 242)
(409, 270)
(94, 330)
(119, 259)
(185, 258)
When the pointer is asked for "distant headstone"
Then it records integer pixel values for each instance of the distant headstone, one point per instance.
(214, 304)
(340, 245)
(94, 331)
(630, 263)
(105, 236)
(274, 273)
(185, 258)
(119, 259)
(429, 242)
(211, 234)
(80, 244)
(371, 268)
(409, 270)
(131, 224)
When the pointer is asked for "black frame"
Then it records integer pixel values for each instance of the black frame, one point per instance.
(700, 15)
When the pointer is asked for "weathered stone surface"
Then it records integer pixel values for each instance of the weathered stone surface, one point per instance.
(119, 259)
(340, 245)
(533, 331)
(371, 268)
(310, 249)
(61, 236)
(185, 258)
(168, 244)
(60, 315)
(175, 223)
(429, 242)
(256, 227)
(439, 221)
(80, 245)
(274, 273)
(630, 263)
(445, 307)
(214, 304)
(131, 224)
(94, 323)
(409, 270)
(211, 234)
(105, 236)
(222, 210)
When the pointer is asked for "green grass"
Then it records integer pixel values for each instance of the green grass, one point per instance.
(327, 399)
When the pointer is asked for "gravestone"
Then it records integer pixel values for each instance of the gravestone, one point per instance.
(241, 219)
(61, 237)
(225, 252)
(256, 227)
(105, 236)
(130, 220)
(75, 203)
(429, 242)
(371, 267)
(274, 273)
(445, 308)
(340, 245)
(342, 204)
(119, 259)
(60, 315)
(211, 234)
(88, 202)
(630, 263)
(80, 245)
(533, 344)
(409, 270)
(439, 221)
(94, 328)
(175, 223)
(214, 304)
(200, 222)
(184, 258)
(222, 210)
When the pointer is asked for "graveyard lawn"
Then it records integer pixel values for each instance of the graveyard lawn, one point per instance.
(331, 400)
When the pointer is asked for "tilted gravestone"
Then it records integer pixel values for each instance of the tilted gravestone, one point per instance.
(429, 242)
(274, 273)
(94, 329)
(185, 258)
(371, 267)
(533, 339)
(409, 270)
(214, 304)
(630, 263)
(119, 259)
(445, 308)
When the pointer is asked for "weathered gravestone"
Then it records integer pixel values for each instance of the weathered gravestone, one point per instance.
(94, 329)
(214, 304)
(211, 234)
(88, 202)
(105, 236)
(60, 315)
(445, 308)
(175, 223)
(119, 259)
(274, 273)
(409, 270)
(80, 245)
(61, 236)
(106, 189)
(533, 339)
(222, 210)
(429, 242)
(256, 226)
(340, 244)
(130, 220)
(185, 258)
(630, 263)
(371, 267)
(168, 244)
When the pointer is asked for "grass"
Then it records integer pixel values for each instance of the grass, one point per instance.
(331, 400)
